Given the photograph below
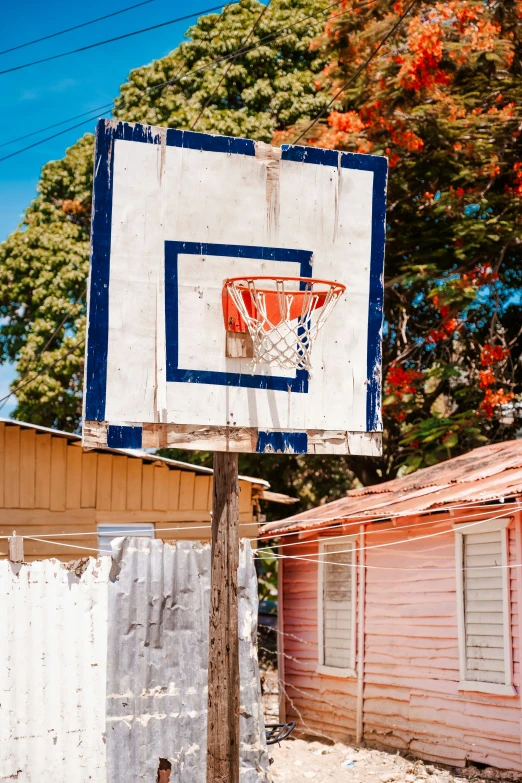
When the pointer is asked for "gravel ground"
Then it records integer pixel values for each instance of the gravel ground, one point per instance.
(297, 760)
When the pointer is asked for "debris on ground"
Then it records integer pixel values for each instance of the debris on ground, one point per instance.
(299, 760)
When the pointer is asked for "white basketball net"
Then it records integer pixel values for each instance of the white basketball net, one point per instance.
(283, 339)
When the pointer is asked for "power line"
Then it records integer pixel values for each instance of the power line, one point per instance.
(230, 64)
(76, 27)
(44, 349)
(401, 541)
(116, 38)
(308, 558)
(357, 72)
(56, 124)
(274, 35)
(44, 369)
(270, 549)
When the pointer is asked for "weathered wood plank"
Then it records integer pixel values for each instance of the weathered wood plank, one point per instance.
(160, 500)
(104, 482)
(134, 484)
(174, 476)
(201, 487)
(119, 483)
(27, 468)
(12, 467)
(186, 490)
(89, 479)
(147, 487)
(73, 494)
(58, 473)
(235, 439)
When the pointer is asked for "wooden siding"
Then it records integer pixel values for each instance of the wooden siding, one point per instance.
(321, 705)
(49, 484)
(412, 701)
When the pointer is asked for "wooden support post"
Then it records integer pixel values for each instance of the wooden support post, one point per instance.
(16, 548)
(223, 658)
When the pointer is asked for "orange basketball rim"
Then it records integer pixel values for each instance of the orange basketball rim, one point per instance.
(283, 315)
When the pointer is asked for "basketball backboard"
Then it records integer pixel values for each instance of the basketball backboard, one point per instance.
(175, 215)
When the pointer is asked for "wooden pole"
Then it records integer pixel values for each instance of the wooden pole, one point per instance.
(223, 658)
(16, 548)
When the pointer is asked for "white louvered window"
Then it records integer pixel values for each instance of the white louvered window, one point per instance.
(484, 607)
(336, 607)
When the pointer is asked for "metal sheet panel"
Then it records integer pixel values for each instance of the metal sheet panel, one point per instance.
(489, 473)
(82, 656)
(157, 663)
(53, 651)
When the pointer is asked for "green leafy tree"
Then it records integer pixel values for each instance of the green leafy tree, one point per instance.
(442, 99)
(44, 263)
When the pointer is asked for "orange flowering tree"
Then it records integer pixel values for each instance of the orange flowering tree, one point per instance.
(442, 98)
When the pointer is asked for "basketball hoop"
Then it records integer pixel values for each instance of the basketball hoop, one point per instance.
(282, 315)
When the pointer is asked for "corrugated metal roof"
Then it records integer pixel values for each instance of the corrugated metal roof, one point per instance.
(138, 453)
(488, 473)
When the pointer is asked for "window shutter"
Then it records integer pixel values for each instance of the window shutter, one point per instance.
(484, 607)
(337, 605)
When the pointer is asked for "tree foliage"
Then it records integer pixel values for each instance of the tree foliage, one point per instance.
(44, 263)
(442, 99)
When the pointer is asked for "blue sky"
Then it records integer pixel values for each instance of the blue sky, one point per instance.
(47, 93)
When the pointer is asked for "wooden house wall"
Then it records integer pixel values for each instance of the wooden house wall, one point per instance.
(319, 704)
(50, 485)
(412, 702)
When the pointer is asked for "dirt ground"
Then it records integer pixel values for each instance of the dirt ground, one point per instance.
(298, 760)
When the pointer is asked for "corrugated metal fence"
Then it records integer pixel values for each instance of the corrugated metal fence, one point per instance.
(103, 670)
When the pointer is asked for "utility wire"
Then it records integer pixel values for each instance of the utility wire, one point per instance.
(43, 350)
(357, 72)
(325, 558)
(76, 27)
(56, 124)
(273, 35)
(230, 64)
(116, 38)
(304, 542)
(40, 372)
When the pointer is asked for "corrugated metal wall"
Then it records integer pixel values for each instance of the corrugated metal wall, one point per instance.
(53, 653)
(131, 645)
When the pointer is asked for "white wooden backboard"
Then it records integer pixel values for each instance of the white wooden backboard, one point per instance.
(175, 214)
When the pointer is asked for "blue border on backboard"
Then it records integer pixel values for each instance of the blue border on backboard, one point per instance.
(97, 333)
(175, 373)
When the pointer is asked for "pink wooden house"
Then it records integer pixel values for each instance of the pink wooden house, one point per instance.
(401, 612)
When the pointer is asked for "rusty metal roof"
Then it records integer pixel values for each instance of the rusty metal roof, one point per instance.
(490, 473)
